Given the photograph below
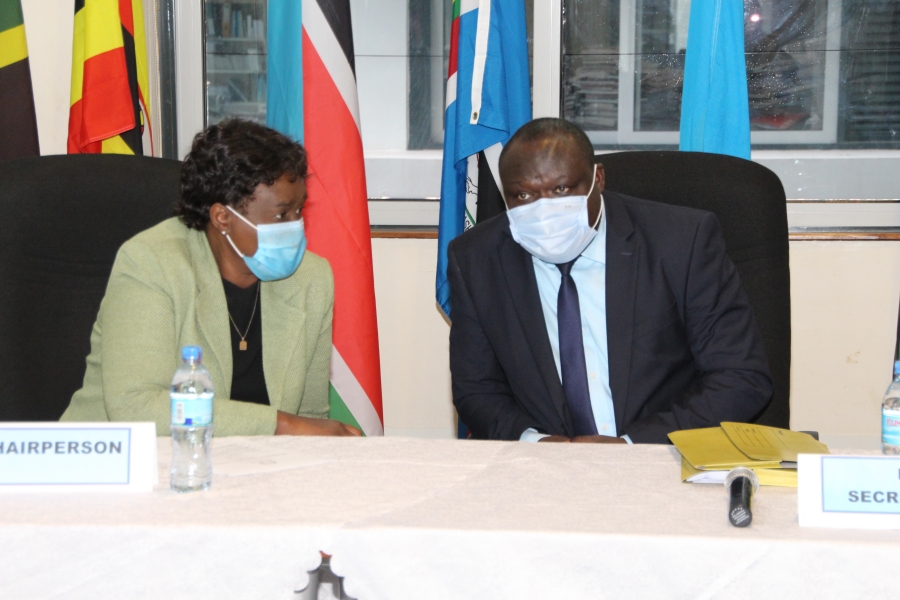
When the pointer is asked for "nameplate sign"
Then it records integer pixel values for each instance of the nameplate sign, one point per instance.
(68, 457)
(860, 492)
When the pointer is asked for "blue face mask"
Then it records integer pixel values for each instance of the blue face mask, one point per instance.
(279, 248)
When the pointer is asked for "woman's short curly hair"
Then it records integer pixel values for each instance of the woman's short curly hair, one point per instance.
(228, 161)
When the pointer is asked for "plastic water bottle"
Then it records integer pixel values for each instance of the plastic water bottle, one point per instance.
(192, 423)
(890, 415)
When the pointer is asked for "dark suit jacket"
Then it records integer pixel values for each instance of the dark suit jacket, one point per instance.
(684, 348)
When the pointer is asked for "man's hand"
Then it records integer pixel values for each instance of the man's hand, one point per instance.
(597, 439)
(289, 424)
(584, 439)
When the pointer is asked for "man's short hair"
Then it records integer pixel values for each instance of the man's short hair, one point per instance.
(549, 127)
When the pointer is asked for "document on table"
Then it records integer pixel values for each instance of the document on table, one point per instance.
(234, 456)
(772, 444)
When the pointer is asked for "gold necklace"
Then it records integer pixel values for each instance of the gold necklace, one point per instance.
(243, 343)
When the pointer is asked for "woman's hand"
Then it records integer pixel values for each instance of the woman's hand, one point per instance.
(289, 424)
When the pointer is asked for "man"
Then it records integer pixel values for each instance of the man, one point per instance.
(595, 317)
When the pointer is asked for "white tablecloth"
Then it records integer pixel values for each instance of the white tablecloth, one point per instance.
(409, 518)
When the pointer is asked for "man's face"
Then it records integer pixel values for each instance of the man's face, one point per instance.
(549, 168)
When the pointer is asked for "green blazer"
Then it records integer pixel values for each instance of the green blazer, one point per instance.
(165, 292)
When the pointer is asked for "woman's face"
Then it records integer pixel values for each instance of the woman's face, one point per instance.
(281, 202)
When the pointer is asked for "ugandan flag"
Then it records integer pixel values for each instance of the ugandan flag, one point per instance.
(110, 100)
(18, 125)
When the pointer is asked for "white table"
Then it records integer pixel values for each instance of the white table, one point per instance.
(410, 518)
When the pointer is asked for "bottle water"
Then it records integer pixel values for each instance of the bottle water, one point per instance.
(890, 415)
(192, 416)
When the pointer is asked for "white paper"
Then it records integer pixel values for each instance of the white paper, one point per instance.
(810, 492)
(717, 477)
(143, 472)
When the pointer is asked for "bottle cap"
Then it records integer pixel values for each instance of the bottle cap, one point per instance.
(191, 353)
(897, 367)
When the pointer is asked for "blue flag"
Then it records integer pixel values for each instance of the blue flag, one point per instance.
(284, 68)
(488, 99)
(715, 111)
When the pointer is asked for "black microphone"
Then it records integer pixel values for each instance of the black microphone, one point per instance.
(741, 484)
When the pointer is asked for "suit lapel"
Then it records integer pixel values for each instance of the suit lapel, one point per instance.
(518, 271)
(279, 341)
(212, 313)
(621, 275)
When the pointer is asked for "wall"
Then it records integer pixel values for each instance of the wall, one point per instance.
(844, 300)
(413, 338)
(845, 296)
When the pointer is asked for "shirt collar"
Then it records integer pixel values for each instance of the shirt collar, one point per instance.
(596, 250)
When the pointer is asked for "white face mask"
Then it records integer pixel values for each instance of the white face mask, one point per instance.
(556, 230)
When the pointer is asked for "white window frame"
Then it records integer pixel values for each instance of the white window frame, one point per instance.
(190, 82)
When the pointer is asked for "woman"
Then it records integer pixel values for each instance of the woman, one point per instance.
(229, 274)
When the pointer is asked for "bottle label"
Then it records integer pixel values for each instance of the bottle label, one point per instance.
(191, 410)
(890, 427)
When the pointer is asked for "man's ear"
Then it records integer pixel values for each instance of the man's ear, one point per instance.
(600, 178)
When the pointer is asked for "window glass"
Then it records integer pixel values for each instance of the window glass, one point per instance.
(235, 44)
(429, 51)
(590, 69)
(429, 48)
(820, 73)
(870, 73)
(401, 49)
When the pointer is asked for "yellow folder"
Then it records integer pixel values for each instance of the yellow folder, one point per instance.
(712, 449)
(770, 443)
(708, 454)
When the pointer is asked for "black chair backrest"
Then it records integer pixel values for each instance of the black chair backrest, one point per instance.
(63, 219)
(749, 201)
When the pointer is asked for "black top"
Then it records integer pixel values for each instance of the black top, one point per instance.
(247, 380)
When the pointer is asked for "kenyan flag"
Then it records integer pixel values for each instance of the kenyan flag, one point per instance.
(18, 125)
(312, 98)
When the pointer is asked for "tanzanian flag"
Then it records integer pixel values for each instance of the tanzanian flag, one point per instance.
(110, 101)
(18, 125)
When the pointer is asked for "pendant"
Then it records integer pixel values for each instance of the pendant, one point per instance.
(242, 345)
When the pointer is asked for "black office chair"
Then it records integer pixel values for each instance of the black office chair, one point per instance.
(749, 201)
(62, 219)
